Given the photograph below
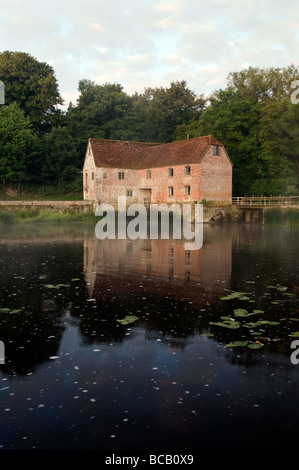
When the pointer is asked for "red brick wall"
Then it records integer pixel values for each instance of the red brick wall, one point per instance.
(160, 181)
(215, 178)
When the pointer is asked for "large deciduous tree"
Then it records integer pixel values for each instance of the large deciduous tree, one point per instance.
(33, 86)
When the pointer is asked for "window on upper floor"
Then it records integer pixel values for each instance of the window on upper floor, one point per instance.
(187, 170)
(121, 175)
(170, 171)
(148, 174)
(187, 190)
(92, 175)
(216, 150)
(105, 176)
(170, 191)
(129, 193)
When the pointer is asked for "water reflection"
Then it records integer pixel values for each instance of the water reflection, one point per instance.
(76, 378)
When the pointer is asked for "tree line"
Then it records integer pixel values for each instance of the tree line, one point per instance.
(254, 117)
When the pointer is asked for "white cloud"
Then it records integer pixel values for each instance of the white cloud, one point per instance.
(149, 43)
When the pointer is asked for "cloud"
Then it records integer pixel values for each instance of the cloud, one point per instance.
(150, 43)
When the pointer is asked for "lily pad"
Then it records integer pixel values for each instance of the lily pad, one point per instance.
(227, 324)
(258, 311)
(233, 295)
(295, 334)
(56, 286)
(127, 320)
(255, 345)
(236, 344)
(240, 312)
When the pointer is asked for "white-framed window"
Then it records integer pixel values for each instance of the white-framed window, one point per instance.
(170, 191)
(121, 175)
(170, 172)
(129, 193)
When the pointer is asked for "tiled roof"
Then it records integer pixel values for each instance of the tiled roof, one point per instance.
(138, 155)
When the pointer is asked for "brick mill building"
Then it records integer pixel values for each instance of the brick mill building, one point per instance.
(182, 171)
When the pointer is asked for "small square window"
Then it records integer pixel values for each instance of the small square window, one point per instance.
(105, 176)
(148, 174)
(216, 150)
(170, 171)
(187, 190)
(187, 170)
(170, 190)
(121, 175)
(129, 193)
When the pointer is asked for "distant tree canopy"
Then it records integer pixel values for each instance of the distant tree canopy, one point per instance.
(254, 117)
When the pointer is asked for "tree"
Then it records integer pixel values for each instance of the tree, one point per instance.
(103, 111)
(60, 160)
(167, 108)
(17, 144)
(257, 84)
(279, 154)
(33, 86)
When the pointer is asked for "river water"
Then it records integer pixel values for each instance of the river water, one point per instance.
(76, 377)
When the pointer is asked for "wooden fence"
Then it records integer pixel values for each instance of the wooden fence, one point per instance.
(265, 201)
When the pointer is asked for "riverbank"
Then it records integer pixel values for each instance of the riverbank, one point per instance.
(84, 212)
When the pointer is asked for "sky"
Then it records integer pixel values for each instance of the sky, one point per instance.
(151, 43)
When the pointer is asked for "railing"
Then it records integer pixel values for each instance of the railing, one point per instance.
(265, 200)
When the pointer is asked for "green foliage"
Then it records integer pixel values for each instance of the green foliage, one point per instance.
(33, 86)
(169, 108)
(17, 144)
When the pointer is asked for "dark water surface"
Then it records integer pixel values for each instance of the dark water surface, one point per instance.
(76, 378)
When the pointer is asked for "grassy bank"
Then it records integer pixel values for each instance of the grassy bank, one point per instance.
(28, 215)
(287, 217)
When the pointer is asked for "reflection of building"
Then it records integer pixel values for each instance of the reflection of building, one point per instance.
(121, 269)
(183, 171)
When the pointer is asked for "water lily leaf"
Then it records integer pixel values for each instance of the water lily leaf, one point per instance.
(236, 344)
(295, 333)
(251, 324)
(52, 286)
(127, 320)
(258, 311)
(226, 318)
(235, 295)
(255, 345)
(4, 310)
(240, 312)
(227, 324)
